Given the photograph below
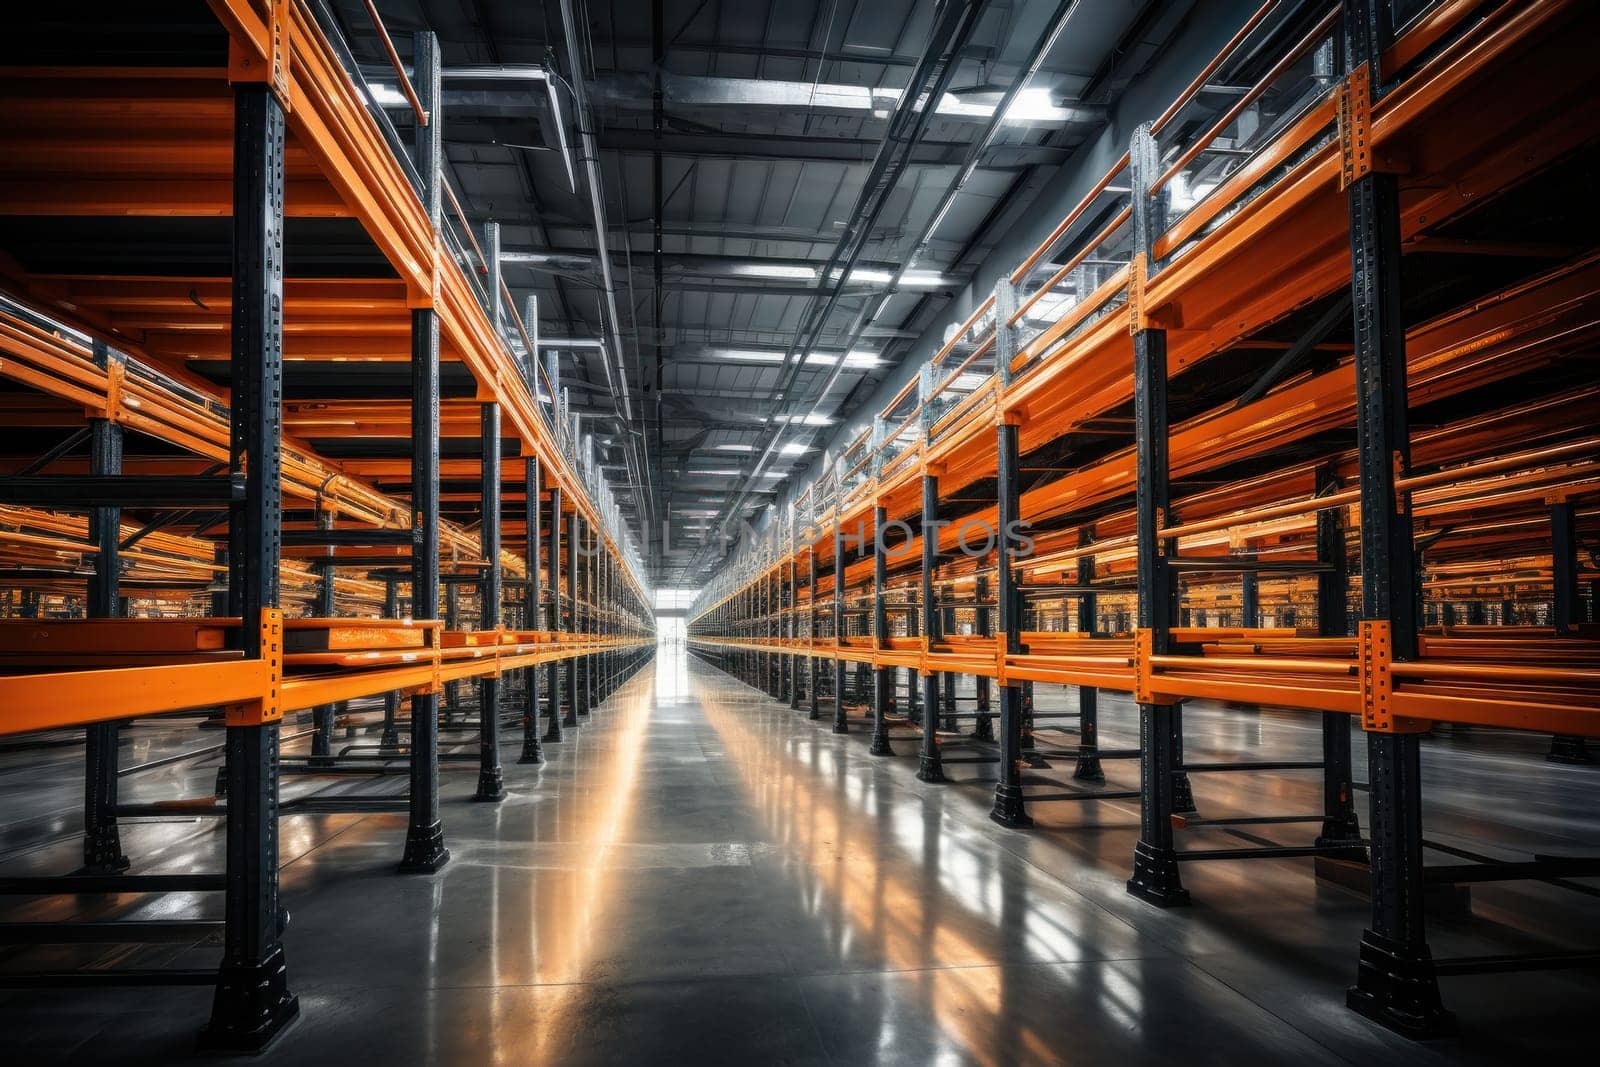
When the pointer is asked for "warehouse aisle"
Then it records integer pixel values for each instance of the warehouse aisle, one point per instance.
(699, 875)
(704, 877)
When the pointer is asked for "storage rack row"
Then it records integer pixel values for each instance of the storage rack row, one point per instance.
(183, 548)
(1278, 415)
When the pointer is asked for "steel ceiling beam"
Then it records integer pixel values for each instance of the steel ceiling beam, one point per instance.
(630, 141)
(953, 26)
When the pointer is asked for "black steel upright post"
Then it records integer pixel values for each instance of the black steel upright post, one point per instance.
(791, 629)
(322, 715)
(1566, 611)
(1155, 864)
(581, 605)
(425, 851)
(930, 766)
(491, 777)
(219, 610)
(1009, 807)
(814, 675)
(1340, 825)
(532, 751)
(574, 619)
(1250, 600)
(590, 606)
(390, 736)
(601, 615)
(252, 1002)
(552, 677)
(947, 679)
(982, 687)
(452, 622)
(841, 724)
(1396, 984)
(1088, 767)
(882, 677)
(773, 675)
(102, 840)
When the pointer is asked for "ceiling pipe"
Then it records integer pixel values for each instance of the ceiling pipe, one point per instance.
(940, 59)
(591, 165)
(864, 318)
(615, 372)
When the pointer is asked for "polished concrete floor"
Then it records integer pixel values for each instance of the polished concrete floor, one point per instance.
(699, 875)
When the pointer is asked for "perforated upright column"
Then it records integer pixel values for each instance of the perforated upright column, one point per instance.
(253, 1001)
(1395, 984)
(425, 851)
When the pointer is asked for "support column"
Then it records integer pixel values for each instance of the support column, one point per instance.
(1088, 768)
(792, 626)
(532, 549)
(102, 840)
(814, 681)
(841, 724)
(552, 676)
(574, 541)
(602, 626)
(1396, 984)
(491, 777)
(882, 677)
(322, 715)
(1566, 611)
(252, 1002)
(425, 851)
(583, 605)
(1155, 864)
(1250, 600)
(590, 611)
(1009, 809)
(931, 764)
(764, 634)
(1340, 824)
(390, 737)
(947, 679)
(774, 629)
(983, 724)
(452, 621)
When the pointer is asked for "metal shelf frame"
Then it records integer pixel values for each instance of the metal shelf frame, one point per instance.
(1091, 397)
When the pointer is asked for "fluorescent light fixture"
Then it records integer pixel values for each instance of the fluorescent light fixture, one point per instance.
(720, 472)
(859, 359)
(1033, 105)
(1030, 105)
(853, 358)
(747, 355)
(792, 448)
(571, 342)
(911, 279)
(788, 272)
(691, 91)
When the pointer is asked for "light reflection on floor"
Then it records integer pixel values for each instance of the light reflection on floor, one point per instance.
(699, 874)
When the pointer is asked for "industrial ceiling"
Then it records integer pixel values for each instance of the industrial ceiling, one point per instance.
(735, 219)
